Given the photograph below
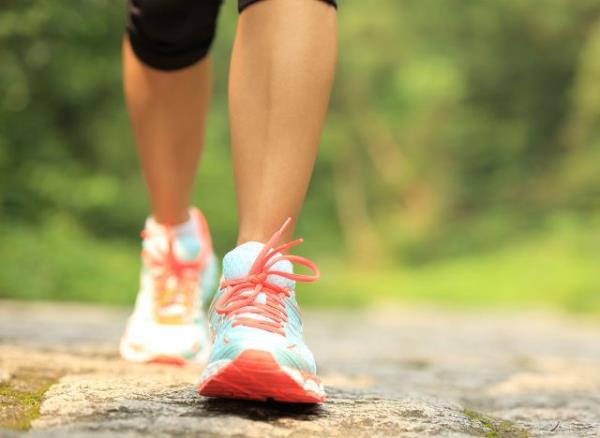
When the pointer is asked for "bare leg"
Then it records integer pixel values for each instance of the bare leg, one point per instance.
(168, 111)
(282, 70)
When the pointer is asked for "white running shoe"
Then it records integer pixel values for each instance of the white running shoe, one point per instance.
(179, 273)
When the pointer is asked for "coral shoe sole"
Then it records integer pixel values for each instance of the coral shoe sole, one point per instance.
(256, 375)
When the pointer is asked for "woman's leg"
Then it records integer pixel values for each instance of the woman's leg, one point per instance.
(168, 110)
(167, 88)
(281, 75)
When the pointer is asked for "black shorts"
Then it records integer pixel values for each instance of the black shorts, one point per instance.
(173, 34)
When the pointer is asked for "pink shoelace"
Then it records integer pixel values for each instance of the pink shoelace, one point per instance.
(236, 300)
(165, 266)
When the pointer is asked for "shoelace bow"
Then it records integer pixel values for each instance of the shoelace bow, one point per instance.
(241, 293)
(165, 265)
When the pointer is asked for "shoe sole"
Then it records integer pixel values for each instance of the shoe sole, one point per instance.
(136, 353)
(168, 360)
(256, 375)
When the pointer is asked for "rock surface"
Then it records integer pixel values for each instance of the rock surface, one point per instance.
(396, 372)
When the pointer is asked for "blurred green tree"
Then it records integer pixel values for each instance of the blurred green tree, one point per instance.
(455, 127)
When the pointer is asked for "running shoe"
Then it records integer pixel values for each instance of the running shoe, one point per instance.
(254, 322)
(179, 273)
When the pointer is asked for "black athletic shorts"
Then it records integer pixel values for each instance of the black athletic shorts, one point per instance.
(173, 34)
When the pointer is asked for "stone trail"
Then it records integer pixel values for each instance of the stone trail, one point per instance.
(389, 372)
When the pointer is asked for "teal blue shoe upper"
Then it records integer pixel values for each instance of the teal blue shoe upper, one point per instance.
(255, 307)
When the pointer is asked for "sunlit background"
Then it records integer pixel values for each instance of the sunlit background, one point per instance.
(460, 164)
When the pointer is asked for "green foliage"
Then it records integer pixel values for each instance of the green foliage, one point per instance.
(461, 134)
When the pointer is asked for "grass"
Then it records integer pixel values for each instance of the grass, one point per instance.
(494, 427)
(59, 261)
(556, 267)
(21, 397)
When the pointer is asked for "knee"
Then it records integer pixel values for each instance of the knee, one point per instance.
(243, 4)
(171, 34)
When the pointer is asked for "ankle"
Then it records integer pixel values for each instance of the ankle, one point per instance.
(262, 233)
(185, 228)
(171, 218)
(251, 237)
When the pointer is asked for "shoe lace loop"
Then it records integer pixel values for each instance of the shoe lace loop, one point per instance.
(164, 266)
(240, 297)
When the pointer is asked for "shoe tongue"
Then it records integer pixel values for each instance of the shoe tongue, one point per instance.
(238, 262)
(186, 245)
